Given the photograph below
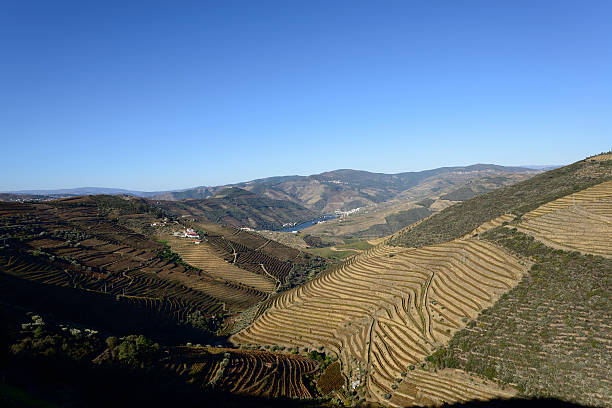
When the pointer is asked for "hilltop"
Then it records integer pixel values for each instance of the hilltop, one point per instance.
(519, 198)
(346, 189)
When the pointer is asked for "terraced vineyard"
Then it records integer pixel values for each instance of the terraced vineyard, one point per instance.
(451, 386)
(83, 244)
(203, 256)
(389, 307)
(283, 265)
(385, 310)
(144, 290)
(580, 221)
(518, 199)
(72, 244)
(256, 373)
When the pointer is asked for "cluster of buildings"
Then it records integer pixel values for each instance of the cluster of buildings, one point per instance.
(341, 213)
(188, 233)
(337, 181)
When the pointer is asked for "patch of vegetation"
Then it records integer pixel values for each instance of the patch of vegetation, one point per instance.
(331, 379)
(355, 244)
(323, 359)
(133, 350)
(314, 241)
(198, 320)
(168, 254)
(426, 202)
(519, 198)
(304, 271)
(396, 222)
(548, 335)
(336, 256)
(40, 340)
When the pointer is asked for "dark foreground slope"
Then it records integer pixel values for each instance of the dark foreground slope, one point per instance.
(83, 259)
(43, 365)
(519, 198)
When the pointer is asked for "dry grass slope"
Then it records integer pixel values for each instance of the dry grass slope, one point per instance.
(451, 386)
(389, 307)
(203, 256)
(580, 221)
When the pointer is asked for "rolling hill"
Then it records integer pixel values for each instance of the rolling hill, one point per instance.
(466, 292)
(111, 253)
(501, 295)
(428, 197)
(518, 199)
(241, 208)
(347, 189)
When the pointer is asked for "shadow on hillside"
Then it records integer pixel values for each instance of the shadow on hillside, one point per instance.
(516, 403)
(97, 311)
(40, 382)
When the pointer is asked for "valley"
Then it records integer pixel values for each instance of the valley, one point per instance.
(435, 312)
(306, 204)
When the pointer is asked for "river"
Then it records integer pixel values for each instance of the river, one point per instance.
(308, 223)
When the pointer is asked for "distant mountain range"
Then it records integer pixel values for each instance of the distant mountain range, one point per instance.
(342, 189)
(346, 189)
(84, 191)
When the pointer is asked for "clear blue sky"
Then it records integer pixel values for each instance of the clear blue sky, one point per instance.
(164, 95)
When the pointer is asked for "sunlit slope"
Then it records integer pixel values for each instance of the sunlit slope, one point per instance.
(389, 307)
(517, 199)
(550, 335)
(451, 386)
(581, 221)
(203, 256)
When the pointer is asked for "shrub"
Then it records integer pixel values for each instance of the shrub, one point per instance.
(137, 350)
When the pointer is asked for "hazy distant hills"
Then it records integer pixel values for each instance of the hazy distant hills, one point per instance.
(343, 189)
(85, 191)
(269, 203)
(346, 189)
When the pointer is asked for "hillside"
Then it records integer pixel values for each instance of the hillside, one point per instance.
(53, 363)
(347, 189)
(473, 302)
(555, 323)
(109, 255)
(519, 198)
(241, 208)
(385, 310)
(517, 285)
(431, 195)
